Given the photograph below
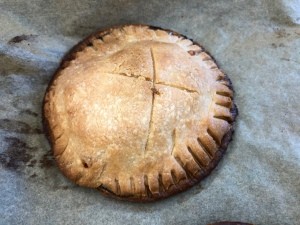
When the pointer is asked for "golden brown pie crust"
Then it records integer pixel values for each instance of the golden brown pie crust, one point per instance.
(138, 112)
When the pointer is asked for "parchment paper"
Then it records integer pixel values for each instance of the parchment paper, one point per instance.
(257, 43)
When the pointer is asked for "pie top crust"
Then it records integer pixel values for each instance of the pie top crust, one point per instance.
(139, 113)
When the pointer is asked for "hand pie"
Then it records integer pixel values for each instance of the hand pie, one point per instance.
(139, 113)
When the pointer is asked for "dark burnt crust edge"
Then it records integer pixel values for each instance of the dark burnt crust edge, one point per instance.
(183, 184)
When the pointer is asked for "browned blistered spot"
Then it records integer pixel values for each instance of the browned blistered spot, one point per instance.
(155, 91)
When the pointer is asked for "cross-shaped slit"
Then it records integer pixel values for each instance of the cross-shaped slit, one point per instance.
(153, 97)
(155, 91)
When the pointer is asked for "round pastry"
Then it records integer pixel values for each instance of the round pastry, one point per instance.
(138, 112)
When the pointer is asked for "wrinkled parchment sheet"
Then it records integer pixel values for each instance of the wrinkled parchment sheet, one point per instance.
(257, 43)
